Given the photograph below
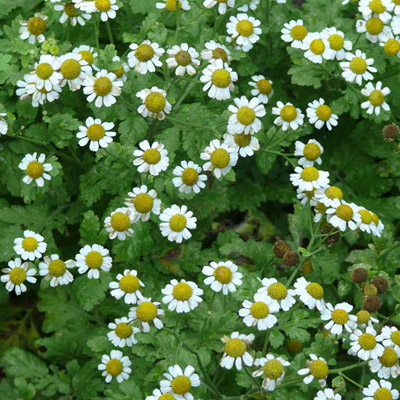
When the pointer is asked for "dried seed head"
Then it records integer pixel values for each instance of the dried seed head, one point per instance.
(359, 275)
(372, 303)
(381, 284)
(291, 258)
(280, 248)
(390, 132)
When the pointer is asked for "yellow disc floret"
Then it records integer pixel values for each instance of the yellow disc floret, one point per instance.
(395, 338)
(94, 260)
(336, 42)
(366, 216)
(143, 203)
(333, 192)
(277, 291)
(318, 369)
(221, 78)
(181, 385)
(288, 113)
(189, 176)
(17, 275)
(170, 5)
(376, 98)
(311, 151)
(70, 69)
(36, 26)
(103, 5)
(87, 56)
(151, 156)
(358, 65)
(241, 139)
(114, 367)
(367, 341)
(340, 317)
(315, 290)
(129, 283)
(34, 169)
(223, 274)
(102, 86)
(363, 317)
(323, 112)
(220, 158)
(95, 132)
(392, 47)
(383, 394)
(123, 330)
(245, 28)
(70, 10)
(183, 58)
(264, 86)
(344, 212)
(178, 222)
(259, 310)
(166, 396)
(317, 46)
(389, 357)
(30, 243)
(57, 268)
(245, 115)
(374, 26)
(376, 6)
(155, 102)
(144, 52)
(120, 221)
(146, 311)
(273, 369)
(220, 54)
(309, 174)
(182, 291)
(235, 347)
(298, 32)
(44, 71)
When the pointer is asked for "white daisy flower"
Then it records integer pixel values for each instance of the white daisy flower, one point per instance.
(317, 369)
(364, 319)
(183, 58)
(243, 31)
(34, 28)
(118, 224)
(366, 223)
(188, 177)
(71, 12)
(182, 296)
(3, 124)
(273, 368)
(116, 365)
(394, 6)
(152, 159)
(235, 351)
(35, 168)
(391, 337)
(170, 5)
(45, 73)
(366, 345)
(214, 51)
(143, 202)
(120, 72)
(253, 4)
(307, 197)
(343, 215)
(56, 271)
(320, 114)
(93, 259)
(218, 79)
(145, 56)
(387, 365)
(376, 98)
(294, 32)
(102, 88)
(327, 394)
(379, 9)
(31, 246)
(310, 293)
(374, 29)
(382, 390)
(16, 274)
(106, 8)
(128, 286)
(339, 318)
(327, 195)
(319, 210)
(391, 44)
(155, 103)
(278, 292)
(244, 145)
(357, 67)
(244, 115)
(222, 5)
(87, 53)
(147, 312)
(179, 382)
(222, 276)
(158, 395)
(262, 88)
(317, 48)
(176, 222)
(288, 116)
(122, 332)
(338, 45)
(378, 225)
(309, 178)
(98, 134)
(220, 158)
(73, 69)
(310, 153)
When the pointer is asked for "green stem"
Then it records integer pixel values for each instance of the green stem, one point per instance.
(250, 375)
(266, 342)
(351, 381)
(96, 35)
(349, 367)
(109, 32)
(291, 162)
(206, 320)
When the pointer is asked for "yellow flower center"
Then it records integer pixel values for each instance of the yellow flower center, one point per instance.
(374, 26)
(366, 216)
(318, 369)
(190, 176)
(376, 98)
(94, 260)
(245, 28)
(277, 291)
(103, 5)
(383, 394)
(392, 47)
(155, 102)
(120, 222)
(389, 357)
(317, 46)
(259, 310)
(288, 113)
(395, 337)
(181, 385)
(246, 115)
(315, 290)
(223, 274)
(146, 311)
(375, 219)
(235, 347)
(143, 203)
(144, 52)
(183, 58)
(264, 86)
(70, 10)
(358, 65)
(36, 26)
(241, 139)
(273, 369)
(376, 6)
(57, 268)
(119, 72)
(166, 396)
(309, 174)
(323, 112)
(298, 32)
(170, 5)
(221, 78)
(367, 341)
(336, 42)
(311, 151)
(123, 330)
(178, 222)
(87, 56)
(30, 243)
(340, 317)
(44, 71)
(70, 69)
(95, 132)
(320, 208)
(397, 2)
(114, 367)
(35, 169)
(333, 192)
(182, 291)
(129, 283)
(363, 316)
(17, 275)
(102, 86)
(220, 54)
(220, 158)
(151, 156)
(344, 212)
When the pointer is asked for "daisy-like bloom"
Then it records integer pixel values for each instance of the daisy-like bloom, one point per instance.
(364, 319)
(220, 158)
(214, 51)
(310, 153)
(222, 276)
(253, 4)
(170, 5)
(34, 28)
(321, 114)
(243, 31)
(260, 312)
(327, 394)
(288, 116)
(87, 53)
(143, 202)
(278, 292)
(118, 224)
(376, 98)
(71, 12)
(93, 259)
(339, 318)
(338, 45)
(391, 337)
(310, 293)
(183, 58)
(31, 246)
(218, 79)
(319, 210)
(273, 368)
(155, 103)
(106, 8)
(243, 144)
(387, 365)
(73, 70)
(182, 296)
(327, 195)
(102, 88)
(189, 177)
(294, 32)
(128, 286)
(176, 222)
(394, 6)
(158, 395)
(56, 271)
(222, 4)
(3, 124)
(96, 133)
(262, 88)
(35, 168)
(27, 89)
(122, 332)
(317, 368)
(376, 8)
(307, 197)
(120, 72)
(381, 390)
(378, 225)
(391, 44)
(116, 365)
(366, 224)
(145, 56)
(366, 345)
(317, 47)
(179, 382)
(45, 73)
(152, 159)
(357, 67)
(343, 215)
(374, 29)
(235, 351)
(309, 178)
(16, 274)
(244, 115)
(147, 312)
